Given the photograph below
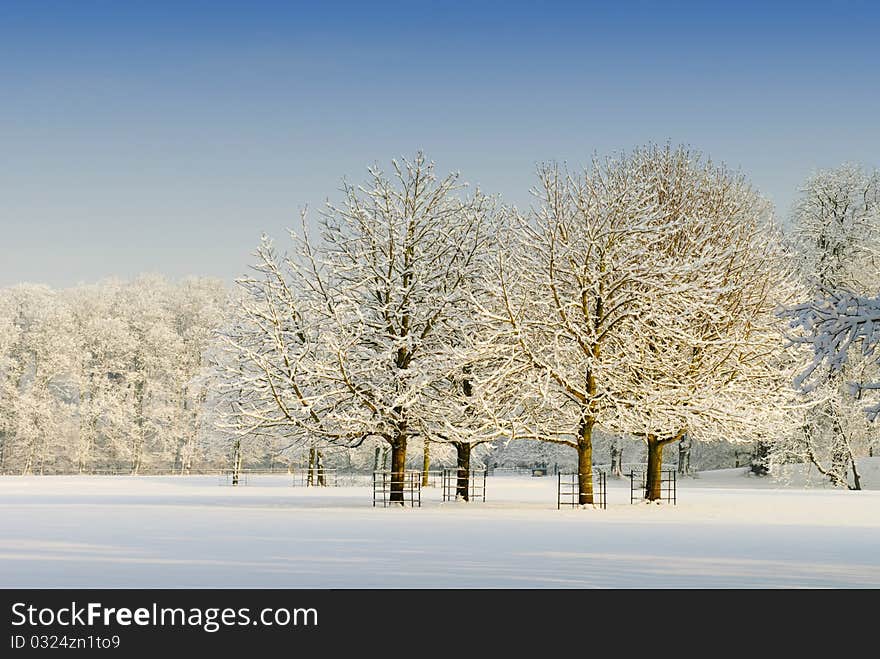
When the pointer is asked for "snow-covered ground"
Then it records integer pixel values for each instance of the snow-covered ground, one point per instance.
(728, 530)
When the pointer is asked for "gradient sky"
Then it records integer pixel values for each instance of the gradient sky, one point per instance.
(165, 137)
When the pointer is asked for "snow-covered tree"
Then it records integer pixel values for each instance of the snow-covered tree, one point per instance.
(37, 386)
(716, 367)
(839, 328)
(836, 234)
(104, 351)
(835, 226)
(198, 308)
(638, 297)
(573, 279)
(351, 336)
(9, 337)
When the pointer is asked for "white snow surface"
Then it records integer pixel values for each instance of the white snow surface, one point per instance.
(728, 530)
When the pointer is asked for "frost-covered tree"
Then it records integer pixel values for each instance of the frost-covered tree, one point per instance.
(105, 347)
(38, 391)
(835, 230)
(350, 337)
(9, 337)
(638, 298)
(573, 280)
(198, 308)
(839, 328)
(716, 366)
(835, 226)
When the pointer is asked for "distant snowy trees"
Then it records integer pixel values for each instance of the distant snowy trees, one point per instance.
(38, 378)
(104, 376)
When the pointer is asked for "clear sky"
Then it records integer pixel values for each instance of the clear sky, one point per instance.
(166, 136)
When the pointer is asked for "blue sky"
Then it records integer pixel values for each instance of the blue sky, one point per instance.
(165, 137)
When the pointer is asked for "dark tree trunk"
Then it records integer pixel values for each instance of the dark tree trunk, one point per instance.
(684, 456)
(585, 462)
(654, 473)
(236, 461)
(758, 459)
(319, 464)
(398, 468)
(462, 485)
(857, 481)
(840, 451)
(310, 472)
(616, 450)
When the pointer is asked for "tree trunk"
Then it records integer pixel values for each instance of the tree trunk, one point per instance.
(87, 426)
(654, 473)
(684, 456)
(857, 481)
(136, 461)
(84, 455)
(319, 463)
(310, 474)
(398, 468)
(236, 461)
(758, 460)
(616, 458)
(463, 461)
(840, 449)
(426, 464)
(140, 422)
(585, 462)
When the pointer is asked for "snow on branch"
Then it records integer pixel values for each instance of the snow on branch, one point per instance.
(834, 325)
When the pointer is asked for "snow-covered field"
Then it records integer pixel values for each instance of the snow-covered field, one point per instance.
(728, 530)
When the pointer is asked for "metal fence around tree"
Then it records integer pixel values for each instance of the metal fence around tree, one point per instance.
(410, 487)
(638, 485)
(568, 489)
(476, 485)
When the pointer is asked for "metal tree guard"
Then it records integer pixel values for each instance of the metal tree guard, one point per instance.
(638, 485)
(476, 485)
(568, 490)
(411, 487)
